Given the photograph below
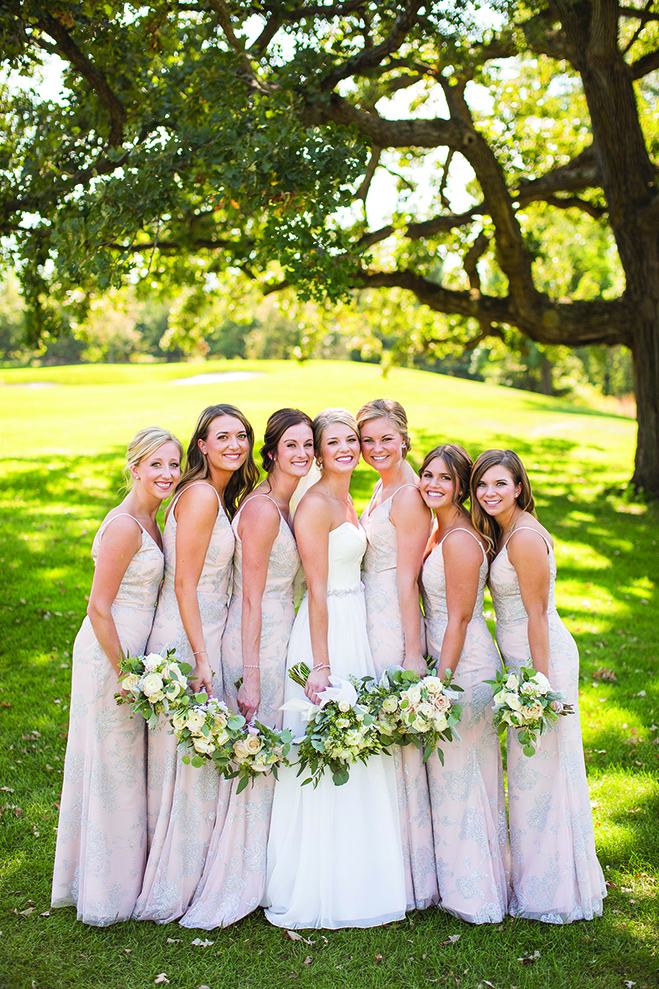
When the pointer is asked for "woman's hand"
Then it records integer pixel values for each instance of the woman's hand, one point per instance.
(416, 663)
(316, 682)
(249, 695)
(203, 677)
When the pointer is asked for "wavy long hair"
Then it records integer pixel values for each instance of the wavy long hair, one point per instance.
(483, 523)
(243, 480)
(276, 426)
(458, 464)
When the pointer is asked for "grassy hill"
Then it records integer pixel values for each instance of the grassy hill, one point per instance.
(63, 432)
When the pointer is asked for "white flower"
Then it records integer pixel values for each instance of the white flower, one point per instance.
(151, 684)
(433, 685)
(534, 711)
(253, 744)
(344, 707)
(390, 704)
(261, 764)
(441, 703)
(512, 683)
(439, 722)
(195, 720)
(203, 745)
(240, 749)
(426, 709)
(179, 720)
(152, 661)
(542, 683)
(342, 723)
(221, 738)
(130, 682)
(509, 699)
(173, 689)
(413, 694)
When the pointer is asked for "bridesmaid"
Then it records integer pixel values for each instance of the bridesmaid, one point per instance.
(199, 542)
(397, 526)
(467, 796)
(101, 838)
(254, 647)
(556, 877)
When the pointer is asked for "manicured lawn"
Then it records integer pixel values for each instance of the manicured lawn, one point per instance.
(60, 459)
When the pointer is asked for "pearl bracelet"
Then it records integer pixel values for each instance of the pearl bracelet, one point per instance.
(325, 666)
(247, 666)
(200, 652)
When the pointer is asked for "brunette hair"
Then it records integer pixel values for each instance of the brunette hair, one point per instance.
(386, 408)
(277, 424)
(144, 444)
(458, 464)
(483, 523)
(243, 480)
(326, 418)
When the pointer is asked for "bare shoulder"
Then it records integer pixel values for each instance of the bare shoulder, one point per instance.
(408, 503)
(258, 510)
(529, 538)
(198, 498)
(463, 543)
(315, 510)
(121, 530)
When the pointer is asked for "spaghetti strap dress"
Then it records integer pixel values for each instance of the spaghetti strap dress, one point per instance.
(556, 876)
(472, 854)
(334, 852)
(386, 639)
(183, 801)
(234, 877)
(101, 838)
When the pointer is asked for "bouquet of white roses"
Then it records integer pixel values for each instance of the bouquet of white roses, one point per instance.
(207, 730)
(339, 732)
(258, 749)
(157, 684)
(524, 700)
(412, 709)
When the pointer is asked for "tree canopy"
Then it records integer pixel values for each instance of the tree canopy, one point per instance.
(194, 139)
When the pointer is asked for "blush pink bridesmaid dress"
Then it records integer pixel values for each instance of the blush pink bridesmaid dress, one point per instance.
(472, 855)
(184, 802)
(556, 876)
(385, 637)
(101, 838)
(234, 878)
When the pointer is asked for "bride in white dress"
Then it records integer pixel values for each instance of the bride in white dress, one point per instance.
(334, 853)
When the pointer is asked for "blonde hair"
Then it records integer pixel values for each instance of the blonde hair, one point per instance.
(386, 408)
(143, 445)
(326, 418)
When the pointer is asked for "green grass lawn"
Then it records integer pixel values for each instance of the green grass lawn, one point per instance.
(61, 452)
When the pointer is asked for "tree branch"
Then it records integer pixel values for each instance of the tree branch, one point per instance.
(580, 173)
(424, 228)
(373, 163)
(645, 64)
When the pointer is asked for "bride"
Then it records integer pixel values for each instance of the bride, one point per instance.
(334, 853)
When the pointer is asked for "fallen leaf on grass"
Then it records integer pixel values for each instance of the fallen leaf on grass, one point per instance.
(46, 913)
(603, 674)
(452, 939)
(294, 936)
(629, 984)
(161, 978)
(7, 789)
(198, 943)
(173, 940)
(307, 960)
(486, 983)
(26, 913)
(378, 959)
(529, 959)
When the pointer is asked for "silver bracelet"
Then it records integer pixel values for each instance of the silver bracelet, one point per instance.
(325, 666)
(248, 666)
(200, 652)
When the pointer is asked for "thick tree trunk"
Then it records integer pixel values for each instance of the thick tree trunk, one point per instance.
(646, 377)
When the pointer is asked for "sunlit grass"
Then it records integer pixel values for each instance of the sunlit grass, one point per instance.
(62, 450)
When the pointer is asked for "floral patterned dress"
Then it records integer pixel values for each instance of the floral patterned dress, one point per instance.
(234, 878)
(183, 802)
(386, 639)
(467, 796)
(101, 838)
(555, 873)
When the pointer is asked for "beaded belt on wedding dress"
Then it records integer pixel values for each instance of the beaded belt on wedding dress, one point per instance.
(342, 591)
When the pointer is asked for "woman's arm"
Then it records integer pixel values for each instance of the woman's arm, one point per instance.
(258, 528)
(120, 542)
(462, 562)
(312, 529)
(412, 521)
(527, 551)
(196, 512)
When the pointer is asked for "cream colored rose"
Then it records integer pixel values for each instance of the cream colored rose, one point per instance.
(439, 722)
(433, 685)
(344, 707)
(203, 746)
(179, 720)
(173, 690)
(512, 683)
(390, 704)
(130, 682)
(426, 709)
(534, 711)
(342, 723)
(195, 720)
(413, 694)
(151, 684)
(151, 661)
(221, 738)
(419, 724)
(260, 764)
(240, 749)
(441, 703)
(253, 744)
(512, 700)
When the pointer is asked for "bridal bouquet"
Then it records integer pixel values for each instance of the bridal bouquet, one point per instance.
(157, 684)
(412, 709)
(207, 730)
(340, 731)
(259, 749)
(524, 700)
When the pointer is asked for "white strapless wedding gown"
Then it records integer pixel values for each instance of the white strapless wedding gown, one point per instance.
(334, 853)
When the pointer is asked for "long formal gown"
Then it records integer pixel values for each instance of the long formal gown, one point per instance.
(184, 802)
(387, 642)
(234, 878)
(334, 853)
(466, 794)
(101, 838)
(556, 876)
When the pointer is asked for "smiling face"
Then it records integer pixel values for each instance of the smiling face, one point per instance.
(339, 448)
(226, 446)
(436, 485)
(497, 492)
(382, 445)
(295, 450)
(159, 472)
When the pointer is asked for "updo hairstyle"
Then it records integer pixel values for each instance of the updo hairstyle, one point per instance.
(325, 419)
(458, 464)
(144, 444)
(386, 408)
(277, 424)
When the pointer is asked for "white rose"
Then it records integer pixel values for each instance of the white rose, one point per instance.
(512, 683)
(441, 703)
(433, 685)
(151, 661)
(534, 711)
(542, 683)
(195, 720)
(179, 720)
(260, 764)
(173, 690)
(440, 722)
(426, 709)
(419, 724)
(511, 700)
(203, 746)
(151, 684)
(413, 694)
(221, 738)
(253, 744)
(240, 749)
(130, 682)
(390, 704)
(342, 723)
(344, 707)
